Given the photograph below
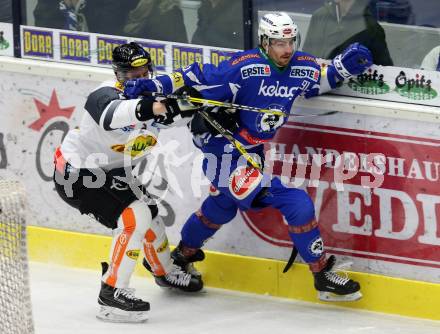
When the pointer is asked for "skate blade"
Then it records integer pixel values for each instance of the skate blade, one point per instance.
(112, 314)
(331, 297)
(172, 289)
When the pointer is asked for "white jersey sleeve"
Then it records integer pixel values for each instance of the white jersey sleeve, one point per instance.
(110, 134)
(109, 108)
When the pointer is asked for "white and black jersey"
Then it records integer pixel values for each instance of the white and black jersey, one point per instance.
(112, 133)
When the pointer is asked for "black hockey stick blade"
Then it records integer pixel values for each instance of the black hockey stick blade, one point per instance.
(291, 259)
(332, 112)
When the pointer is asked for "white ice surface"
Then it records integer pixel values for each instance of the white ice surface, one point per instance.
(64, 302)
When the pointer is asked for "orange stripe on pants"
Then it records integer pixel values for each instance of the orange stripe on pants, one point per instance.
(151, 254)
(129, 222)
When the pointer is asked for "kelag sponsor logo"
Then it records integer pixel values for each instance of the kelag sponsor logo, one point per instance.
(395, 221)
(418, 88)
(276, 90)
(370, 83)
(255, 70)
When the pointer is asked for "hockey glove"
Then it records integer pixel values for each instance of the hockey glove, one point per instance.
(134, 88)
(227, 118)
(186, 107)
(178, 109)
(353, 61)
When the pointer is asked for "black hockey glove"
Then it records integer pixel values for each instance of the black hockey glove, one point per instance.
(177, 109)
(226, 117)
(188, 108)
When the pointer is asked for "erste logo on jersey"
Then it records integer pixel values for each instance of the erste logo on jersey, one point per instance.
(304, 72)
(255, 70)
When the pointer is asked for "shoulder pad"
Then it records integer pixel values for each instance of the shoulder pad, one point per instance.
(99, 99)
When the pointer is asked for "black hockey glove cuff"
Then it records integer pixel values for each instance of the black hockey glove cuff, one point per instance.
(172, 114)
(144, 109)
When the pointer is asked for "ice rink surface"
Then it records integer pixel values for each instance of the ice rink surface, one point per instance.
(64, 302)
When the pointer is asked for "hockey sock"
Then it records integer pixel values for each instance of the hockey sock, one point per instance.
(197, 229)
(156, 248)
(308, 241)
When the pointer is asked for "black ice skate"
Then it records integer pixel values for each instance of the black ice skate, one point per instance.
(333, 287)
(120, 305)
(177, 279)
(184, 258)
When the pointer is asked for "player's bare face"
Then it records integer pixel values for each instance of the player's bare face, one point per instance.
(281, 50)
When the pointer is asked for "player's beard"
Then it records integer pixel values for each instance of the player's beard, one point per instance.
(284, 59)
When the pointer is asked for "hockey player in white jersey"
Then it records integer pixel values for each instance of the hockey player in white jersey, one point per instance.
(93, 174)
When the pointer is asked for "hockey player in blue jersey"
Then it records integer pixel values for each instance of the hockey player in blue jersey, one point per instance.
(271, 76)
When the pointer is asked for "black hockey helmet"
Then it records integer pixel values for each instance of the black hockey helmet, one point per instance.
(131, 56)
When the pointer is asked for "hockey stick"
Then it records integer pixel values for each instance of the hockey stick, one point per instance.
(225, 133)
(213, 103)
(291, 259)
(228, 135)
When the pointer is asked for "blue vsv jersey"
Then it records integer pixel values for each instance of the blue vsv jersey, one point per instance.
(251, 78)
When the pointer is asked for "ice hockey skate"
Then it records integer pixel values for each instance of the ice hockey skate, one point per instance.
(120, 304)
(185, 257)
(332, 287)
(177, 279)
